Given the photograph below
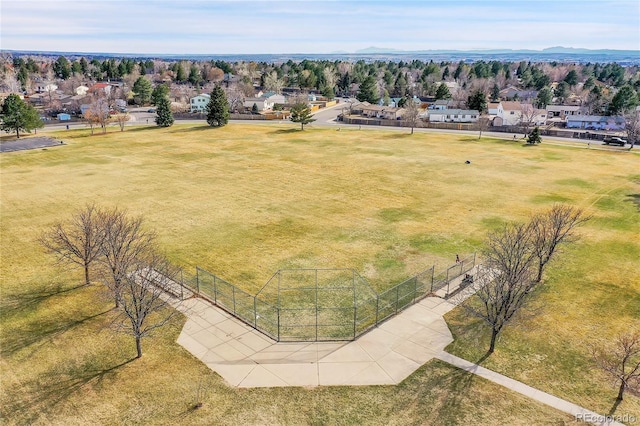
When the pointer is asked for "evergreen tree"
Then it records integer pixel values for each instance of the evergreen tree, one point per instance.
(142, 89)
(301, 113)
(218, 108)
(386, 99)
(544, 97)
(572, 78)
(61, 68)
(495, 93)
(562, 91)
(534, 136)
(624, 100)
(18, 115)
(445, 73)
(159, 92)
(164, 117)
(180, 74)
(194, 75)
(368, 92)
(443, 92)
(254, 109)
(477, 101)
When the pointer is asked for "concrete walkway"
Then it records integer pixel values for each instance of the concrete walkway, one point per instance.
(385, 355)
(245, 357)
(533, 393)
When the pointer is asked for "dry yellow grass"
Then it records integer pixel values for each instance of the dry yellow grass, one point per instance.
(246, 200)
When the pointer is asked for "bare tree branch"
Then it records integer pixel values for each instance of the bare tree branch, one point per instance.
(502, 285)
(79, 241)
(621, 361)
(141, 296)
(124, 241)
(552, 228)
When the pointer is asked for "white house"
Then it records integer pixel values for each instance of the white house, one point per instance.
(265, 102)
(454, 116)
(81, 90)
(199, 103)
(563, 111)
(513, 113)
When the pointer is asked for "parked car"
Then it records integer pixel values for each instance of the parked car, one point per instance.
(152, 110)
(614, 140)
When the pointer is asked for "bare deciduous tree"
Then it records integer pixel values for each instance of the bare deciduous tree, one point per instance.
(528, 115)
(632, 126)
(503, 284)
(552, 228)
(79, 241)
(122, 118)
(140, 295)
(98, 114)
(412, 114)
(273, 83)
(482, 124)
(621, 361)
(124, 241)
(235, 98)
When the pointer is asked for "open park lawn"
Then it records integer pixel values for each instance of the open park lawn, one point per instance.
(246, 200)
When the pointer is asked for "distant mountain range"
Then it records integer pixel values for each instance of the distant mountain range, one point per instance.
(556, 49)
(558, 54)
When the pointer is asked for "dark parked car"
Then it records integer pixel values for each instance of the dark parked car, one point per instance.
(613, 140)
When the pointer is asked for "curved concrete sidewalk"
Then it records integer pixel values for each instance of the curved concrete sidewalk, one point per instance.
(385, 355)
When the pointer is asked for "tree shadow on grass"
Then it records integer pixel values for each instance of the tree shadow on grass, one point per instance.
(23, 303)
(458, 383)
(285, 131)
(36, 334)
(635, 199)
(192, 129)
(57, 387)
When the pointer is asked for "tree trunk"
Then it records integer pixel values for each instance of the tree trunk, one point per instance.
(18, 134)
(540, 270)
(86, 275)
(411, 129)
(138, 347)
(494, 336)
(621, 391)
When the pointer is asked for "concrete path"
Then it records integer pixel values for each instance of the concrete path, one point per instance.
(578, 412)
(385, 355)
(245, 357)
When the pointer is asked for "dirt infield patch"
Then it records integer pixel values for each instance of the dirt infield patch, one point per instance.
(29, 143)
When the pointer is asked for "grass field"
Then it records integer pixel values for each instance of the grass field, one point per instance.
(246, 200)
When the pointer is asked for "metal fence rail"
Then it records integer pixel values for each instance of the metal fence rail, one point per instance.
(321, 304)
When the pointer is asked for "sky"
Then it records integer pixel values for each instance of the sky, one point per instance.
(314, 26)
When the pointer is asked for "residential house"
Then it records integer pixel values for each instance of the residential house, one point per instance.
(595, 122)
(495, 108)
(81, 90)
(199, 103)
(511, 113)
(357, 107)
(563, 111)
(100, 89)
(454, 116)
(513, 93)
(265, 102)
(441, 104)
